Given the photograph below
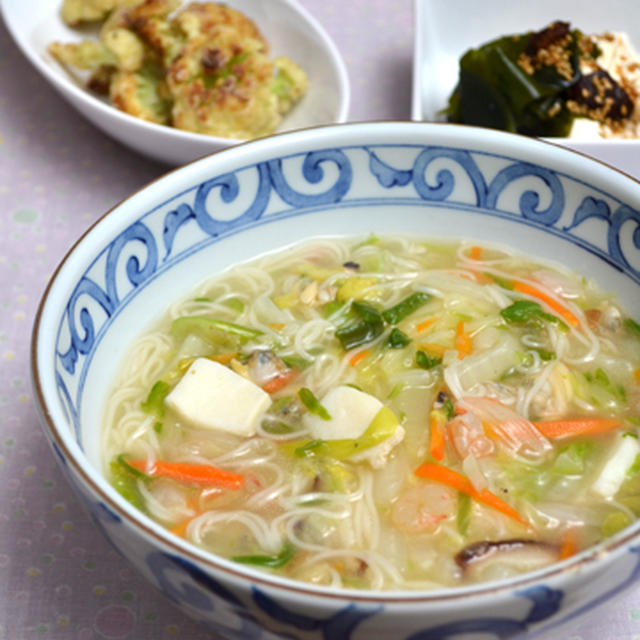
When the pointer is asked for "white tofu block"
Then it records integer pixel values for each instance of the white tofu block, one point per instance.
(351, 414)
(212, 396)
(614, 471)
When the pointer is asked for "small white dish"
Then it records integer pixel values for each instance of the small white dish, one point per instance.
(446, 30)
(288, 28)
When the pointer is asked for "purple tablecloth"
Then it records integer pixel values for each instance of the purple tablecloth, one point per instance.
(59, 579)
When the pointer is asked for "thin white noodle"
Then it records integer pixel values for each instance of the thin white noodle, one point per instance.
(366, 520)
(158, 509)
(265, 536)
(523, 407)
(352, 520)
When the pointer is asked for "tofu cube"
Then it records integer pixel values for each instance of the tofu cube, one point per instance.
(212, 396)
(351, 414)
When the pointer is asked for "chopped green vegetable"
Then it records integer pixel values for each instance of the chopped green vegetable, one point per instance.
(280, 403)
(235, 304)
(332, 307)
(313, 404)
(370, 326)
(405, 307)
(527, 312)
(272, 562)
(157, 427)
(154, 404)
(572, 459)
(615, 522)
(277, 427)
(632, 326)
(124, 479)
(444, 403)
(425, 361)
(504, 283)
(295, 362)
(356, 287)
(136, 473)
(210, 328)
(463, 515)
(382, 427)
(600, 378)
(397, 339)
(634, 469)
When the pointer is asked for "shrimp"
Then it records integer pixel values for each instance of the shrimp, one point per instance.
(468, 437)
(515, 434)
(423, 507)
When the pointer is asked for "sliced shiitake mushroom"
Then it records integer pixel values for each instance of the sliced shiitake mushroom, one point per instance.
(493, 560)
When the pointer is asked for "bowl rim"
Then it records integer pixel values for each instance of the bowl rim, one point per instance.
(164, 539)
(70, 89)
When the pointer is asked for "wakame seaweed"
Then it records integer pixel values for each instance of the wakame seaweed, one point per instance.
(506, 84)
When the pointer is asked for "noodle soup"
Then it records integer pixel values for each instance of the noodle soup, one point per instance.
(384, 413)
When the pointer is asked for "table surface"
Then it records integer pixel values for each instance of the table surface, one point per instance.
(58, 578)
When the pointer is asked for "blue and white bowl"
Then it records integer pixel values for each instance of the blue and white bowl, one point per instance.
(427, 179)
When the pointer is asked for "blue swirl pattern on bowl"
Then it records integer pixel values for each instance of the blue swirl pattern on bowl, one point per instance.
(281, 188)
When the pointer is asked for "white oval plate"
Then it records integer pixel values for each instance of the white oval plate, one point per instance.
(441, 37)
(288, 28)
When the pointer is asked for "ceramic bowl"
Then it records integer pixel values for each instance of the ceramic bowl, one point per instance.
(428, 179)
(288, 28)
(441, 37)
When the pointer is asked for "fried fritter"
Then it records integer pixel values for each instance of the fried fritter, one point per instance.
(76, 12)
(290, 83)
(150, 21)
(142, 94)
(87, 55)
(203, 69)
(206, 18)
(222, 86)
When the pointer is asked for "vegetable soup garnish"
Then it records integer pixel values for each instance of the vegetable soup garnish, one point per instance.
(398, 414)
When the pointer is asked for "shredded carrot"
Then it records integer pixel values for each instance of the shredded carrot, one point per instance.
(201, 474)
(475, 253)
(278, 326)
(461, 483)
(437, 423)
(636, 375)
(277, 383)
(432, 348)
(552, 303)
(464, 345)
(576, 427)
(425, 324)
(569, 546)
(359, 357)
